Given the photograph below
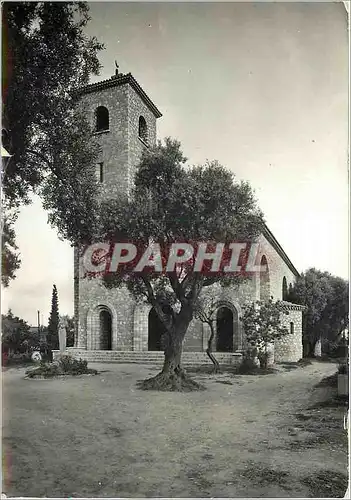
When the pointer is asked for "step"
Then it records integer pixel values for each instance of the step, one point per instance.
(149, 357)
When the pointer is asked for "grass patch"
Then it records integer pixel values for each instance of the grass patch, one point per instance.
(331, 381)
(335, 402)
(199, 479)
(302, 416)
(245, 370)
(227, 382)
(293, 365)
(209, 369)
(265, 476)
(326, 484)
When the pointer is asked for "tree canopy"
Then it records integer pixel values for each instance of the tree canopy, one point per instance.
(46, 57)
(173, 202)
(16, 334)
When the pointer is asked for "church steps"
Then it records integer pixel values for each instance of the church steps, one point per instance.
(149, 357)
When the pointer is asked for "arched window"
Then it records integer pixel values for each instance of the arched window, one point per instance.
(264, 280)
(285, 289)
(291, 328)
(143, 129)
(102, 119)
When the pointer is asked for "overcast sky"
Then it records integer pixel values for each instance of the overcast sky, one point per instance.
(262, 88)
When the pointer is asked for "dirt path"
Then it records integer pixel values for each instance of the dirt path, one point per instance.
(256, 436)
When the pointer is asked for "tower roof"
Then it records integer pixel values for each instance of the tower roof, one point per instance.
(117, 80)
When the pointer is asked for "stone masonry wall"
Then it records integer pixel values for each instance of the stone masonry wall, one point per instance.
(277, 268)
(289, 348)
(113, 142)
(136, 109)
(121, 149)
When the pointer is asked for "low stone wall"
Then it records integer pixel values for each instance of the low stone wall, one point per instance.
(150, 357)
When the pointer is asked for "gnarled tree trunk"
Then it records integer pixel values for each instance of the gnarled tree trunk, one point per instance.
(173, 377)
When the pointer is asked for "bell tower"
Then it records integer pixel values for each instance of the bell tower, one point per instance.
(123, 120)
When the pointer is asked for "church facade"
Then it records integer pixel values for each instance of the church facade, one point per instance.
(110, 322)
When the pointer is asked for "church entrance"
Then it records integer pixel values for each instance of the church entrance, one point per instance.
(105, 330)
(225, 331)
(156, 331)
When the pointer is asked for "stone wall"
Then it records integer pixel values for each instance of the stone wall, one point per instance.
(289, 348)
(277, 269)
(114, 141)
(121, 149)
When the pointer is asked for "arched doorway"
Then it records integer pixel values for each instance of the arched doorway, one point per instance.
(225, 330)
(156, 332)
(264, 280)
(105, 326)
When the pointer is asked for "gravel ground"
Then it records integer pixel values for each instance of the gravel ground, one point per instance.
(275, 435)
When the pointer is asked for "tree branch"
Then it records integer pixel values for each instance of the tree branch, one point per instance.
(163, 317)
(48, 163)
(177, 288)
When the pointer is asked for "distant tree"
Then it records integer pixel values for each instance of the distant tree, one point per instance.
(46, 57)
(205, 310)
(336, 314)
(53, 325)
(16, 336)
(262, 323)
(327, 301)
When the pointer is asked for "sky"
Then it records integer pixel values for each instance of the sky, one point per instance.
(262, 88)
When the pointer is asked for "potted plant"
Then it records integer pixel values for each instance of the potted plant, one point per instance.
(343, 379)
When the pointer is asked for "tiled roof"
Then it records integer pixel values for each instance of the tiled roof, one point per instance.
(294, 307)
(117, 80)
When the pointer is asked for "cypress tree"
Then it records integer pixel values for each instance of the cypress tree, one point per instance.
(52, 336)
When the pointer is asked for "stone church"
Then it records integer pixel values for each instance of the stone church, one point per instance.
(110, 326)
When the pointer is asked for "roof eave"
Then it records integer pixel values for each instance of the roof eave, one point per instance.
(273, 241)
(117, 81)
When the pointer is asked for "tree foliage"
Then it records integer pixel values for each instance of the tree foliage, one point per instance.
(46, 57)
(54, 319)
(262, 323)
(172, 202)
(327, 301)
(16, 334)
(10, 259)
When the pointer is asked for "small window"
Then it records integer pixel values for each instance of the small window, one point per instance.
(285, 289)
(143, 129)
(291, 328)
(100, 172)
(102, 119)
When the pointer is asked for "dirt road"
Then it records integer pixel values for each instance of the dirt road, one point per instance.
(246, 436)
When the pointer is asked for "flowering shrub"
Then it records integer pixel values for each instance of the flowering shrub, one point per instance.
(262, 325)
